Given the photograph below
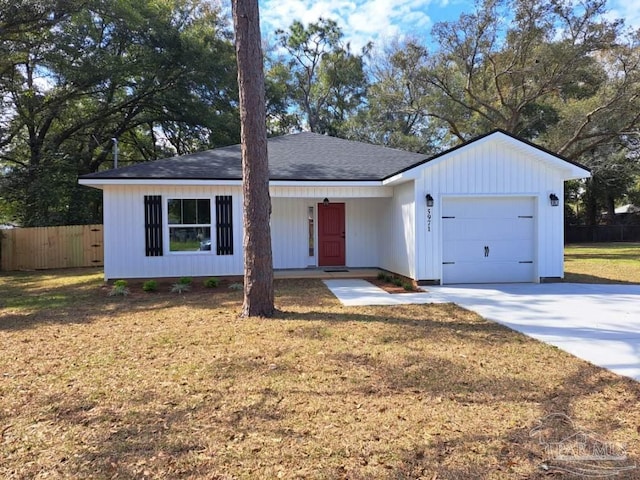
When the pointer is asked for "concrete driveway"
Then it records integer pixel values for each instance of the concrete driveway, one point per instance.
(598, 323)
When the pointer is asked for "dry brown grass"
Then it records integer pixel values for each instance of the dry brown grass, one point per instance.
(178, 387)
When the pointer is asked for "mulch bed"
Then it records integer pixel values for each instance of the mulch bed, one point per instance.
(197, 286)
(165, 285)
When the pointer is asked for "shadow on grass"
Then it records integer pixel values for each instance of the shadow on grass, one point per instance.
(629, 255)
(29, 299)
(137, 442)
(584, 278)
(239, 419)
(455, 320)
(170, 439)
(519, 452)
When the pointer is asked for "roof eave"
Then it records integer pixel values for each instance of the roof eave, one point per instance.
(101, 182)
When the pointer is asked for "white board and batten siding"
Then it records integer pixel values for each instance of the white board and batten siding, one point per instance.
(290, 223)
(290, 231)
(488, 187)
(124, 231)
(398, 235)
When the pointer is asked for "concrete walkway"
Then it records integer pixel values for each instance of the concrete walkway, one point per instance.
(598, 323)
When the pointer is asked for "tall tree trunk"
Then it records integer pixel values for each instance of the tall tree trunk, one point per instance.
(591, 203)
(611, 210)
(258, 265)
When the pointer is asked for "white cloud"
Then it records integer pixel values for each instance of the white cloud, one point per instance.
(361, 20)
(629, 10)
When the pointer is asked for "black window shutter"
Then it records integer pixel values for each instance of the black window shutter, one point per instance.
(224, 225)
(153, 225)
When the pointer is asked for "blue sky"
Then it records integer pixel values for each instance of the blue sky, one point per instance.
(383, 20)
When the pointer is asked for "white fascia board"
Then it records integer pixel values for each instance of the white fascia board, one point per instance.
(99, 182)
(571, 171)
(576, 173)
(403, 177)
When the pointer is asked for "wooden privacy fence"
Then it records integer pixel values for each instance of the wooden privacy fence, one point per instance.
(51, 247)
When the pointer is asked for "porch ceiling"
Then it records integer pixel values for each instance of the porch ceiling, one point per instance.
(332, 191)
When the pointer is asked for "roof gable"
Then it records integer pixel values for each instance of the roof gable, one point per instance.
(573, 170)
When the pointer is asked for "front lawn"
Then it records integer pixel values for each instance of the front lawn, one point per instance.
(602, 263)
(168, 386)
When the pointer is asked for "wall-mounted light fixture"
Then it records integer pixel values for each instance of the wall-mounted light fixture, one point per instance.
(429, 200)
(554, 200)
(325, 202)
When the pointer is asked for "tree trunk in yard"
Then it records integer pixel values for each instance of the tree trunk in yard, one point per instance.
(258, 265)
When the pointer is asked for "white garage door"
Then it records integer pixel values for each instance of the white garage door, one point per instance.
(488, 240)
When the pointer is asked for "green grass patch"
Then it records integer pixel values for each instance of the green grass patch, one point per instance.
(36, 291)
(602, 263)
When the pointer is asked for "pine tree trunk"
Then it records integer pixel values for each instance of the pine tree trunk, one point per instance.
(258, 265)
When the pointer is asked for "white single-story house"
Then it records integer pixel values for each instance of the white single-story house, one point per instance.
(489, 210)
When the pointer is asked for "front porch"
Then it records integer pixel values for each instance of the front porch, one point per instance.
(339, 225)
(325, 273)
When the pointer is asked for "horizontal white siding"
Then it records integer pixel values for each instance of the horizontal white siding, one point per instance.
(332, 193)
(398, 234)
(490, 170)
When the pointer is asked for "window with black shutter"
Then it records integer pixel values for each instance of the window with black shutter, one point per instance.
(224, 225)
(153, 225)
(189, 224)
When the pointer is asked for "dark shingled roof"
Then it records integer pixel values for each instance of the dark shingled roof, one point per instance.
(299, 156)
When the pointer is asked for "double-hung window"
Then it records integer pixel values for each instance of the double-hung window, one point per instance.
(189, 224)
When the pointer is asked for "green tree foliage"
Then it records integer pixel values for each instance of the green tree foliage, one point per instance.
(556, 64)
(398, 100)
(321, 80)
(556, 72)
(78, 74)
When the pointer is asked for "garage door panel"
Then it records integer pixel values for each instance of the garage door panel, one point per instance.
(496, 251)
(496, 272)
(488, 240)
(499, 228)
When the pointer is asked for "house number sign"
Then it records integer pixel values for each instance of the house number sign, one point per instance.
(428, 219)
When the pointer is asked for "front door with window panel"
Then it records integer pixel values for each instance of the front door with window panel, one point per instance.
(331, 235)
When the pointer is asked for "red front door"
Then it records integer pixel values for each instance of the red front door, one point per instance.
(331, 235)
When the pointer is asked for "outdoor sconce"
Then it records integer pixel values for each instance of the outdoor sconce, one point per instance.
(429, 200)
(325, 202)
(553, 199)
